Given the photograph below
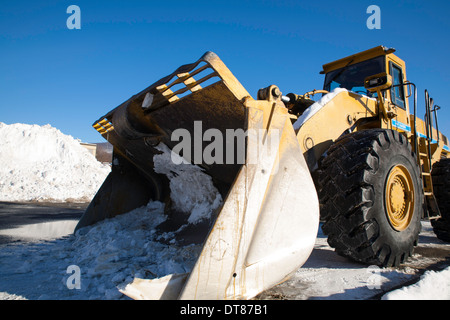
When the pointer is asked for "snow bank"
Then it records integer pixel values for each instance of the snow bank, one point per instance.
(40, 163)
(432, 286)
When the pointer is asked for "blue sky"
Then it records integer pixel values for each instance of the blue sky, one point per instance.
(70, 78)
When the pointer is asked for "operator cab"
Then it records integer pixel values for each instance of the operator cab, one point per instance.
(350, 72)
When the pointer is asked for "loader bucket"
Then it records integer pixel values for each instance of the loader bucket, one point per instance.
(266, 225)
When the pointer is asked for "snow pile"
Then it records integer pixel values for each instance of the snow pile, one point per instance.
(41, 163)
(432, 286)
(192, 192)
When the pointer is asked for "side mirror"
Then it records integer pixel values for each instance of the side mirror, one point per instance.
(378, 82)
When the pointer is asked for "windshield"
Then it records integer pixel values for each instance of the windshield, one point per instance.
(352, 76)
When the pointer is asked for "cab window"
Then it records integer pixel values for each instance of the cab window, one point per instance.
(351, 77)
(397, 93)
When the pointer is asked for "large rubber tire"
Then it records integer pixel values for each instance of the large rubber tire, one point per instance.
(352, 181)
(441, 187)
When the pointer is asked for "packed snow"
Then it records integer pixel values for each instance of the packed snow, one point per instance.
(202, 197)
(432, 286)
(40, 163)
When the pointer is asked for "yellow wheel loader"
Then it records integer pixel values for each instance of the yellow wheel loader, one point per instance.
(358, 158)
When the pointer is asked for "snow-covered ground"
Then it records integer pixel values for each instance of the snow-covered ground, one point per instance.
(328, 276)
(432, 286)
(111, 253)
(98, 260)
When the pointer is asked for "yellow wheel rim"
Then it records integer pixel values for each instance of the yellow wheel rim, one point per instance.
(399, 197)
